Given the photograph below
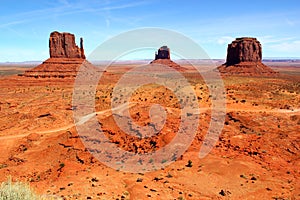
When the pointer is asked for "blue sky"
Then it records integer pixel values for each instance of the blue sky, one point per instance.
(25, 26)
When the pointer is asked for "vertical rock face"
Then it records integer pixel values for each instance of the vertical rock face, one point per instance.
(244, 56)
(162, 57)
(163, 53)
(81, 48)
(62, 45)
(244, 49)
(65, 60)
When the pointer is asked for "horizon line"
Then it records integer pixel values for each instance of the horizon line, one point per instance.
(127, 60)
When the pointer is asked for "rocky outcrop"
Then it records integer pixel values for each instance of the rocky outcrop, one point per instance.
(62, 45)
(162, 57)
(65, 58)
(244, 50)
(244, 56)
(162, 53)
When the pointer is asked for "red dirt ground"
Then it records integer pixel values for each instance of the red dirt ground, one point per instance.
(257, 155)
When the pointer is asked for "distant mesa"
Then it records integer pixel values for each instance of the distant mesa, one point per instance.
(65, 58)
(162, 53)
(163, 57)
(244, 56)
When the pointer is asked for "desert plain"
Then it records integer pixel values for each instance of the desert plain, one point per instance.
(257, 155)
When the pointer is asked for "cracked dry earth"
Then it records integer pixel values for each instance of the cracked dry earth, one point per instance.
(257, 155)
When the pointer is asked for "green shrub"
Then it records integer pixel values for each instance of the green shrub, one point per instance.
(190, 164)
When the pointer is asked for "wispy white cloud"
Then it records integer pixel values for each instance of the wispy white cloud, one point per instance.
(107, 21)
(24, 17)
(12, 23)
(225, 40)
(268, 39)
(277, 46)
(290, 22)
(64, 2)
(67, 8)
(290, 46)
(22, 54)
(128, 5)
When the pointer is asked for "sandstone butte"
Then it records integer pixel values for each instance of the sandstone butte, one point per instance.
(163, 57)
(65, 58)
(244, 57)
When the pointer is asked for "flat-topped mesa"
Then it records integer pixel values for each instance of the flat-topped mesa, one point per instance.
(62, 45)
(162, 53)
(244, 56)
(244, 49)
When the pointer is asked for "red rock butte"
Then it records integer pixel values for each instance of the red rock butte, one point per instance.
(62, 45)
(65, 58)
(244, 57)
(162, 57)
(162, 53)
